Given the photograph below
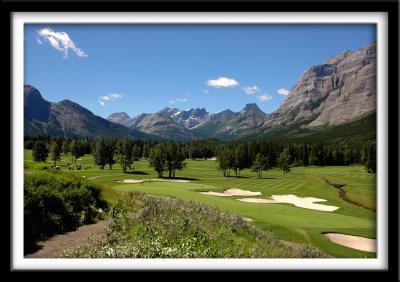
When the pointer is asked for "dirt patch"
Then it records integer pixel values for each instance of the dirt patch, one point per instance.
(232, 192)
(258, 200)
(354, 242)
(53, 247)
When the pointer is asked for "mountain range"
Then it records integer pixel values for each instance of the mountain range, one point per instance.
(340, 90)
(68, 119)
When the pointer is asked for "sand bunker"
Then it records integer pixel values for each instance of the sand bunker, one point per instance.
(169, 180)
(129, 181)
(258, 200)
(354, 242)
(149, 180)
(232, 192)
(247, 219)
(306, 203)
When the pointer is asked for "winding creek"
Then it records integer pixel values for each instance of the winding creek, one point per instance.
(342, 195)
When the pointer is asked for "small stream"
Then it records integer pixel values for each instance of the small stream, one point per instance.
(342, 195)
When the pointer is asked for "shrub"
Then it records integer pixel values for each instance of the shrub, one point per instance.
(57, 203)
(164, 227)
(40, 166)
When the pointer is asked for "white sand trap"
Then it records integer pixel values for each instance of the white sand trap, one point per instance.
(129, 181)
(258, 200)
(247, 219)
(149, 180)
(354, 242)
(232, 192)
(306, 202)
(169, 180)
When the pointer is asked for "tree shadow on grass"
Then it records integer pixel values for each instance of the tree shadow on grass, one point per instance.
(137, 172)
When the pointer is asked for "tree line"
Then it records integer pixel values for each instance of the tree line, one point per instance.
(258, 155)
(261, 155)
(195, 149)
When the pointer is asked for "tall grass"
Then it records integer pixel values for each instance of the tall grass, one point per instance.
(146, 226)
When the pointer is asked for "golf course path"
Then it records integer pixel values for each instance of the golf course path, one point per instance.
(53, 247)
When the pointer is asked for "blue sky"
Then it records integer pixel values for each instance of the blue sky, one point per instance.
(144, 68)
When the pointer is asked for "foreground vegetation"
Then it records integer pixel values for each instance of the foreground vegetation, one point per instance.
(145, 226)
(55, 204)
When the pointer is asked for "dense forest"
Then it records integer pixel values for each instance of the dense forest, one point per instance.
(232, 156)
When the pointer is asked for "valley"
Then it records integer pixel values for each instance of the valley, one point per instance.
(296, 182)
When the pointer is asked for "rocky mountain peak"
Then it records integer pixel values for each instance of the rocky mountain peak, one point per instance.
(194, 113)
(120, 114)
(338, 58)
(189, 118)
(68, 119)
(121, 118)
(224, 114)
(35, 107)
(167, 111)
(252, 107)
(68, 104)
(30, 91)
(341, 89)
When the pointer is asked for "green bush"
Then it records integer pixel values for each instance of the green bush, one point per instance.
(57, 203)
(40, 166)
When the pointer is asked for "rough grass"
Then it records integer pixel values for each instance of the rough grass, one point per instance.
(164, 227)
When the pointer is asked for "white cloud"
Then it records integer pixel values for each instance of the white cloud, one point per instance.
(179, 100)
(223, 82)
(39, 41)
(205, 91)
(60, 41)
(283, 91)
(264, 98)
(251, 89)
(109, 97)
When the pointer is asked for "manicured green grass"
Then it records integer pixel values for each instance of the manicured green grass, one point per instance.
(286, 221)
